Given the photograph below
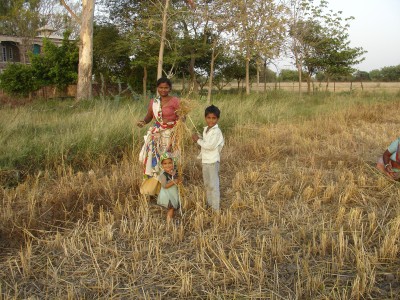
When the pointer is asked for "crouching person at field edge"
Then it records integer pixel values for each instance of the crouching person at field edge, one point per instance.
(389, 162)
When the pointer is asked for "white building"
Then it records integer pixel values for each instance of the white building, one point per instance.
(15, 49)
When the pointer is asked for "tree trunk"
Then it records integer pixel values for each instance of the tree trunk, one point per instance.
(211, 74)
(327, 84)
(84, 88)
(308, 84)
(265, 76)
(247, 76)
(23, 51)
(162, 42)
(300, 76)
(192, 73)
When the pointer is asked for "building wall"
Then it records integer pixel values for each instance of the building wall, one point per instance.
(16, 49)
(9, 52)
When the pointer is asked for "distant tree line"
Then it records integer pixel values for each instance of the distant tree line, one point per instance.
(385, 74)
(208, 44)
(388, 74)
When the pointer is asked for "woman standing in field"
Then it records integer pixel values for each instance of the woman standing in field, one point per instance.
(389, 162)
(160, 137)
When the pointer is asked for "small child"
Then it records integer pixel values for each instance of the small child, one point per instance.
(211, 145)
(169, 195)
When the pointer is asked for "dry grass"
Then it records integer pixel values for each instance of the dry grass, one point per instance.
(304, 216)
(357, 86)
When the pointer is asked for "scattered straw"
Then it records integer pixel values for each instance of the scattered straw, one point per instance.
(310, 221)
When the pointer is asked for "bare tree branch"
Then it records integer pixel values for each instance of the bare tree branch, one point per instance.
(63, 3)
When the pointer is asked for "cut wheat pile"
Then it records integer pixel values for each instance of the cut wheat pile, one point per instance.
(304, 216)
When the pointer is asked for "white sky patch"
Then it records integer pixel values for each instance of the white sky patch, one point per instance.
(376, 28)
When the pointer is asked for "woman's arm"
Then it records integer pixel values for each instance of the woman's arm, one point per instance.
(148, 117)
(386, 161)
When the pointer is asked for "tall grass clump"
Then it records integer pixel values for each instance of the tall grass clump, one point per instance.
(38, 137)
(304, 214)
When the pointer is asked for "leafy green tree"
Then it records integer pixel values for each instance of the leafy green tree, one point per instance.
(215, 15)
(141, 23)
(56, 65)
(320, 41)
(327, 50)
(110, 54)
(18, 79)
(298, 10)
(375, 75)
(391, 73)
(320, 76)
(308, 34)
(259, 30)
(361, 76)
(236, 69)
(5, 6)
(338, 58)
(196, 37)
(264, 73)
(269, 76)
(21, 18)
(288, 75)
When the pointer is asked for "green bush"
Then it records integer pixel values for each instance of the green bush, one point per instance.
(56, 65)
(18, 79)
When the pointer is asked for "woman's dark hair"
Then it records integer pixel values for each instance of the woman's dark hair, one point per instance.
(164, 80)
(212, 110)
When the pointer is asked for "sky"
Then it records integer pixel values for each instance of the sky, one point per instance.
(376, 28)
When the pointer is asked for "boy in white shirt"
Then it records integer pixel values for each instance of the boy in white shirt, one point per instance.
(211, 145)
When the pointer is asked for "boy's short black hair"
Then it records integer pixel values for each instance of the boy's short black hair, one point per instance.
(164, 80)
(212, 109)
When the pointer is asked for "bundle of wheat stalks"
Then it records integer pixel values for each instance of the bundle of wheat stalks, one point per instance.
(182, 136)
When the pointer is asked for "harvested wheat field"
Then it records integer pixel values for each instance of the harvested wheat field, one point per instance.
(305, 215)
